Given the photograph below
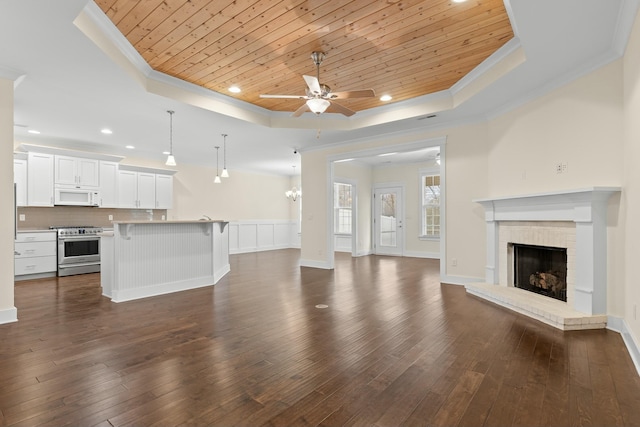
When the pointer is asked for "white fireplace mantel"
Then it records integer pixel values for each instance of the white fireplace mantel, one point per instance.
(587, 208)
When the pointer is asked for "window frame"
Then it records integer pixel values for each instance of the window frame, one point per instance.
(336, 209)
(422, 174)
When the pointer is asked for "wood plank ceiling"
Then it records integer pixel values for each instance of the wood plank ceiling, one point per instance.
(404, 48)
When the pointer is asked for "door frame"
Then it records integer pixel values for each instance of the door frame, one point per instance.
(401, 217)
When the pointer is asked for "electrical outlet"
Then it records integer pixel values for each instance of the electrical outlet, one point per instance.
(558, 167)
(23, 217)
(163, 217)
(454, 262)
(110, 217)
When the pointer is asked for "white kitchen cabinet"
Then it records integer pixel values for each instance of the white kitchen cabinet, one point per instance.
(108, 184)
(35, 254)
(136, 190)
(39, 179)
(76, 171)
(20, 179)
(164, 191)
(146, 190)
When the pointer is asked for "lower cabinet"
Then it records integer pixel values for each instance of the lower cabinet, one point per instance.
(35, 254)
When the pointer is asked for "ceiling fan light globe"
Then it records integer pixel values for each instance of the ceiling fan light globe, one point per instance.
(318, 105)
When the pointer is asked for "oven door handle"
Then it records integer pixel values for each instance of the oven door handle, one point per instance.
(67, 238)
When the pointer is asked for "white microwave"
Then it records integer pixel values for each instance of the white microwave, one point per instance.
(76, 197)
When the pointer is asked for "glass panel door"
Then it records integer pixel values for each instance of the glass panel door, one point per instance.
(388, 219)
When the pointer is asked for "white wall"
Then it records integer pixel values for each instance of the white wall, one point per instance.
(630, 204)
(579, 124)
(7, 309)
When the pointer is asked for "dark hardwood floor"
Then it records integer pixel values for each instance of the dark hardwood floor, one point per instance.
(393, 348)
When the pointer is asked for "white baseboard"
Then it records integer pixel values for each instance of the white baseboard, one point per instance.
(363, 253)
(418, 254)
(247, 250)
(619, 325)
(460, 280)
(315, 264)
(9, 315)
(161, 289)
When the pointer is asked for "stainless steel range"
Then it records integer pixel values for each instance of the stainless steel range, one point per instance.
(78, 250)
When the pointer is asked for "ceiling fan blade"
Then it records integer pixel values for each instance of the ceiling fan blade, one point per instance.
(284, 96)
(303, 109)
(365, 93)
(337, 108)
(314, 84)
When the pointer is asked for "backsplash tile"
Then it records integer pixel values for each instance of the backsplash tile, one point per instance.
(45, 217)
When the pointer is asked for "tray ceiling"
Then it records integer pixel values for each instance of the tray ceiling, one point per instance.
(401, 48)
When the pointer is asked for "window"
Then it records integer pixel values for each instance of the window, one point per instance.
(430, 188)
(342, 208)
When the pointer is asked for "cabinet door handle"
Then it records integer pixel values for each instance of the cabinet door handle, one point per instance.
(16, 253)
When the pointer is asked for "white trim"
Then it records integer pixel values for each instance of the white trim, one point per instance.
(457, 280)
(618, 324)
(317, 264)
(8, 315)
(166, 288)
(626, 18)
(420, 254)
(8, 73)
(587, 208)
(261, 235)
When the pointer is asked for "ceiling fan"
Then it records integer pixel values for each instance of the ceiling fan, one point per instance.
(319, 97)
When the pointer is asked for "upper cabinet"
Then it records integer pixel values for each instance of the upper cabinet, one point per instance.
(39, 179)
(20, 180)
(144, 188)
(40, 172)
(77, 172)
(164, 191)
(108, 184)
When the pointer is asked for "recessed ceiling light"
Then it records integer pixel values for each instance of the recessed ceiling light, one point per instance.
(130, 147)
(33, 131)
(459, 1)
(386, 98)
(166, 153)
(387, 154)
(106, 131)
(234, 89)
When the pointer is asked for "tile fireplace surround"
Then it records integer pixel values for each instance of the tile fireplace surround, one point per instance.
(575, 220)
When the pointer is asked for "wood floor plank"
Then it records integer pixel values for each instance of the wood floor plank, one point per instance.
(394, 347)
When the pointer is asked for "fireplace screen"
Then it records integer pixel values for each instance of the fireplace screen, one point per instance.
(541, 269)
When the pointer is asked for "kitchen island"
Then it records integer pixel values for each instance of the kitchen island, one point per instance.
(146, 258)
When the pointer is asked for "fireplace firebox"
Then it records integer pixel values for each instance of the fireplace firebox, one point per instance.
(541, 269)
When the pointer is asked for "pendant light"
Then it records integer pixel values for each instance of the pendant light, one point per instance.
(225, 172)
(171, 161)
(217, 180)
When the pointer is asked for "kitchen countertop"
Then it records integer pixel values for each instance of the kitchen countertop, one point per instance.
(35, 230)
(187, 221)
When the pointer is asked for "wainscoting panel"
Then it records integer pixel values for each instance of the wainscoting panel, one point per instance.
(262, 235)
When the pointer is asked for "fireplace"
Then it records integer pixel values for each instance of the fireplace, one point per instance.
(567, 231)
(540, 269)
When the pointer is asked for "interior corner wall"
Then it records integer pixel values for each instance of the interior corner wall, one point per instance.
(7, 309)
(578, 125)
(630, 203)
